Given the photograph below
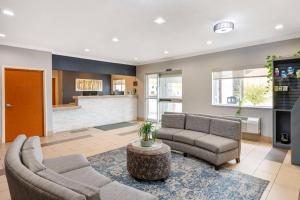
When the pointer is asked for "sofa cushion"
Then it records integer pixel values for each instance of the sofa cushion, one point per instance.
(188, 136)
(216, 144)
(167, 133)
(226, 128)
(31, 160)
(34, 143)
(66, 163)
(197, 123)
(88, 176)
(91, 193)
(173, 121)
(117, 191)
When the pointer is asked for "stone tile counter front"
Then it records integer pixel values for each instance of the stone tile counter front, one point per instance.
(91, 111)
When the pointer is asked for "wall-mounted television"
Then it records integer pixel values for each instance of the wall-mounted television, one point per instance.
(82, 85)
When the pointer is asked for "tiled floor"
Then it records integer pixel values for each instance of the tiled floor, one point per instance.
(284, 178)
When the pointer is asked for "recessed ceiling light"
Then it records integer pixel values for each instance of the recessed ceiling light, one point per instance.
(159, 20)
(115, 39)
(209, 42)
(166, 52)
(2, 35)
(279, 26)
(87, 50)
(8, 12)
(223, 27)
(135, 58)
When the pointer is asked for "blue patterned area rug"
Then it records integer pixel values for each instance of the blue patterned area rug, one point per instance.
(190, 178)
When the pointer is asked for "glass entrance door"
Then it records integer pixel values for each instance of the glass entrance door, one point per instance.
(170, 93)
(164, 94)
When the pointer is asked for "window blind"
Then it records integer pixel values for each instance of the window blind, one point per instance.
(244, 73)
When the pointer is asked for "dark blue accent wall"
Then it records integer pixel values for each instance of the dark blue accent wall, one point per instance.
(69, 78)
(67, 63)
(73, 68)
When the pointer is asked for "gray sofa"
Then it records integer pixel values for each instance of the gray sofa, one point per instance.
(214, 139)
(64, 178)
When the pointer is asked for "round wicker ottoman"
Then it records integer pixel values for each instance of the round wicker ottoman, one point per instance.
(147, 163)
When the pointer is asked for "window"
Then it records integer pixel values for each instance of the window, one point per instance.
(152, 83)
(152, 97)
(119, 85)
(170, 86)
(246, 87)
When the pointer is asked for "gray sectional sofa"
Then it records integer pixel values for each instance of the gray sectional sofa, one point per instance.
(64, 178)
(214, 139)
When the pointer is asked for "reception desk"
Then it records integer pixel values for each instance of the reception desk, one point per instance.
(91, 111)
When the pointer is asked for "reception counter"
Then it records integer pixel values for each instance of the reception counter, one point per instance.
(91, 111)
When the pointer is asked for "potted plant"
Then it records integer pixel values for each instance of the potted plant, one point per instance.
(147, 133)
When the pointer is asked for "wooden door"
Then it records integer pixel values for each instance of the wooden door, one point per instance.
(24, 103)
(53, 91)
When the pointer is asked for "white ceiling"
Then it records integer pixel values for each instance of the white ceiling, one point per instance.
(67, 27)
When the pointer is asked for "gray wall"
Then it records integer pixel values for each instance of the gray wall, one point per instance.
(19, 57)
(197, 78)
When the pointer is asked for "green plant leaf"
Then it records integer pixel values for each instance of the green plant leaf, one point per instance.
(255, 94)
(147, 131)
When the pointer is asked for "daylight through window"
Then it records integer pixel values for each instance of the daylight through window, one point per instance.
(247, 87)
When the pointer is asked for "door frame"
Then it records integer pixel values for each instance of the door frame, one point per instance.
(55, 88)
(44, 70)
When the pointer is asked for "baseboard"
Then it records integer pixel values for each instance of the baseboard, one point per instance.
(140, 119)
(257, 138)
(49, 133)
